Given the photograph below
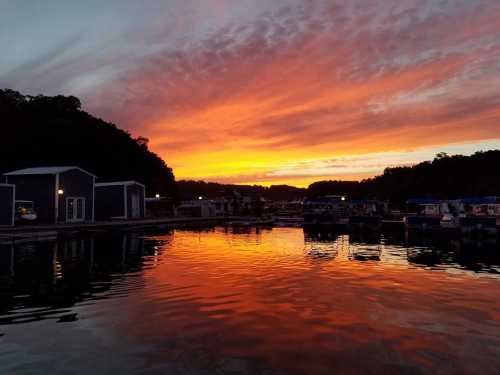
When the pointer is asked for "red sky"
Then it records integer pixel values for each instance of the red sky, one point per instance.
(292, 91)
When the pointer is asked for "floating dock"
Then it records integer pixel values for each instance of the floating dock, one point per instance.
(44, 231)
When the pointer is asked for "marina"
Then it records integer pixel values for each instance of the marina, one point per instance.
(215, 187)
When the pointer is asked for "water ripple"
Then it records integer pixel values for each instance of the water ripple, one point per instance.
(250, 301)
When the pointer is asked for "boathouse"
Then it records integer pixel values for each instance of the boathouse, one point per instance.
(62, 194)
(7, 204)
(120, 200)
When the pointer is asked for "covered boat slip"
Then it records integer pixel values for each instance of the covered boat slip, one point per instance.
(7, 204)
(120, 200)
(62, 194)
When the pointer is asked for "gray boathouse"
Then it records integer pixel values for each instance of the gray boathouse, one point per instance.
(120, 200)
(62, 194)
(7, 204)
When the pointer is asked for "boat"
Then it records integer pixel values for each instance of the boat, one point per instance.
(288, 221)
(25, 211)
(330, 210)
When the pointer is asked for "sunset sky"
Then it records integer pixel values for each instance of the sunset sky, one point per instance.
(281, 91)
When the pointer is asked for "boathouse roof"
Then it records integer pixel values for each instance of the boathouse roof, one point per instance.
(480, 200)
(45, 170)
(118, 183)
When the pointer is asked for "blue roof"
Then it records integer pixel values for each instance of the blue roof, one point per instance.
(480, 200)
(423, 201)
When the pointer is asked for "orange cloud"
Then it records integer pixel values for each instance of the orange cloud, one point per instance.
(313, 82)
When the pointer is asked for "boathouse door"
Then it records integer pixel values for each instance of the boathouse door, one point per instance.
(135, 208)
(75, 209)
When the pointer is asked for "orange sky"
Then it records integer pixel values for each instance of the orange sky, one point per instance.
(293, 91)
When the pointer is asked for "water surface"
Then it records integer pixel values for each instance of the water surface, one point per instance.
(248, 301)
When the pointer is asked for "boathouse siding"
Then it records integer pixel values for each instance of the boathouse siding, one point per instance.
(77, 183)
(75, 202)
(41, 190)
(7, 204)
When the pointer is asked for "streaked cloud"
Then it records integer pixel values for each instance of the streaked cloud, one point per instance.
(284, 91)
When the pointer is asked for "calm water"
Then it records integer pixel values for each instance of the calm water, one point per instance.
(249, 302)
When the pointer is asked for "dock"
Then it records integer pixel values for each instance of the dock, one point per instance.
(45, 231)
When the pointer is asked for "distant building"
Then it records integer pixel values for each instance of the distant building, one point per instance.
(224, 206)
(329, 209)
(160, 207)
(62, 194)
(197, 208)
(7, 204)
(120, 200)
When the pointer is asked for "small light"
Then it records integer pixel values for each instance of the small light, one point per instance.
(343, 198)
(60, 191)
(200, 198)
(157, 196)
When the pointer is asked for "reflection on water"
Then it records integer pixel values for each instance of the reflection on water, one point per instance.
(249, 301)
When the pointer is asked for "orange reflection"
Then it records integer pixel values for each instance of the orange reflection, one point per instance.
(265, 295)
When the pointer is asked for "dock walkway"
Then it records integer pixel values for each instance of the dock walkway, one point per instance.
(41, 230)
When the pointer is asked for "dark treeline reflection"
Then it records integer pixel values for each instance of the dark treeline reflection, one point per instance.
(49, 277)
(477, 255)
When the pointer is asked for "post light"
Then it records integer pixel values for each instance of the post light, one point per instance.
(157, 196)
(200, 197)
(343, 198)
(60, 191)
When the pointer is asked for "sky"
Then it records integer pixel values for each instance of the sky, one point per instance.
(270, 92)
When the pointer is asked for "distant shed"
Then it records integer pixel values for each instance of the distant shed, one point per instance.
(7, 204)
(120, 200)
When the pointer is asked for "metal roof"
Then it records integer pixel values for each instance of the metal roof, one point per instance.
(423, 201)
(45, 170)
(480, 200)
(118, 183)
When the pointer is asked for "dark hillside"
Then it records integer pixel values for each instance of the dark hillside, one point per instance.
(43, 131)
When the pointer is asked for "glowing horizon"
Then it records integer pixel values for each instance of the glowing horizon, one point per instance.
(289, 92)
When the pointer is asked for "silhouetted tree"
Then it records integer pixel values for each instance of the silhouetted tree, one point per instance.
(444, 177)
(43, 130)
(194, 189)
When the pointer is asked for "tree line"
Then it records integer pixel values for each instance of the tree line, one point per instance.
(54, 130)
(444, 177)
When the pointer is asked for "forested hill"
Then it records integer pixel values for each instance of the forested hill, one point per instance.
(444, 177)
(44, 131)
(193, 189)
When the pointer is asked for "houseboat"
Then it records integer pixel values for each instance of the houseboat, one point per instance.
(330, 210)
(289, 214)
(480, 215)
(424, 213)
(366, 213)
